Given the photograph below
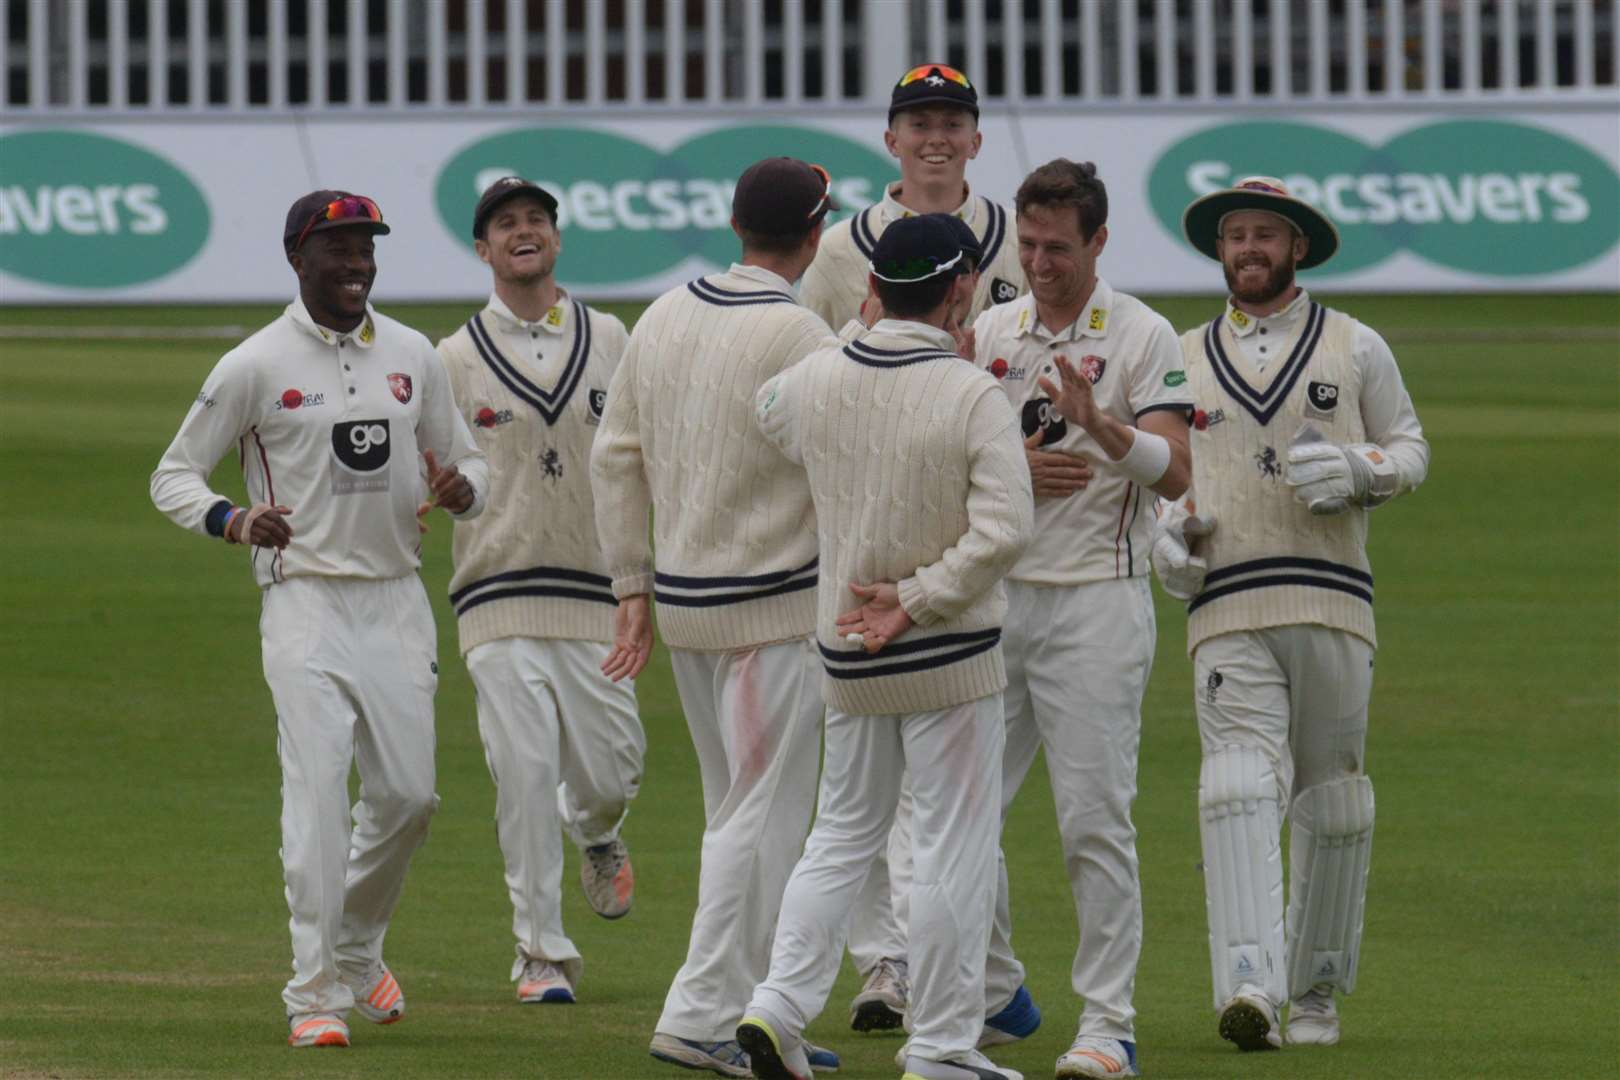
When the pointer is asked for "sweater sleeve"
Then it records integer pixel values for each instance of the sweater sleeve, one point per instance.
(619, 480)
(1387, 413)
(221, 415)
(1001, 515)
(777, 417)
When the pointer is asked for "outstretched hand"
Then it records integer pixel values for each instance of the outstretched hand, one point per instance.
(1073, 399)
(880, 618)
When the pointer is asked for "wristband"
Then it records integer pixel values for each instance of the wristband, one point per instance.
(1147, 460)
(225, 529)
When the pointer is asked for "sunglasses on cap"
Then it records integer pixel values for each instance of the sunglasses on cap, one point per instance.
(826, 191)
(925, 70)
(348, 208)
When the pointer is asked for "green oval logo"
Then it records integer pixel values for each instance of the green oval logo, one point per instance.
(630, 212)
(1482, 196)
(94, 212)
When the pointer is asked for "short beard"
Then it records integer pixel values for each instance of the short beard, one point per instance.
(1279, 281)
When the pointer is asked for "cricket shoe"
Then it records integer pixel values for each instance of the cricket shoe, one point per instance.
(822, 1060)
(609, 880)
(317, 1029)
(1096, 1055)
(377, 997)
(969, 1066)
(1249, 1019)
(772, 1054)
(881, 1004)
(724, 1058)
(1312, 1018)
(1018, 1020)
(544, 983)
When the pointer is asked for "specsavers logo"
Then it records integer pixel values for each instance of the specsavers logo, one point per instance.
(1482, 196)
(94, 212)
(631, 212)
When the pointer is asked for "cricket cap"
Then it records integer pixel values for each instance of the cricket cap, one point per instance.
(933, 84)
(782, 196)
(329, 209)
(509, 187)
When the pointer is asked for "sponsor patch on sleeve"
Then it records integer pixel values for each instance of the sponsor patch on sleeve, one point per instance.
(1175, 378)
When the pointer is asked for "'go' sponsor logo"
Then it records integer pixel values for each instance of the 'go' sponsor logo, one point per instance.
(630, 211)
(94, 212)
(1482, 196)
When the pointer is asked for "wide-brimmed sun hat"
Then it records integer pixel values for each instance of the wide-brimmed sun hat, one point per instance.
(1202, 221)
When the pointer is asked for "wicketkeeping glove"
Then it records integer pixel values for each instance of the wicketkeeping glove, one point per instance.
(1174, 535)
(1330, 479)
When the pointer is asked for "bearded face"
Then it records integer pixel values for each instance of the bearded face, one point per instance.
(1259, 253)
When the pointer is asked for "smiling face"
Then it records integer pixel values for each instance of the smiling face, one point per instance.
(1259, 252)
(521, 242)
(933, 143)
(1059, 263)
(335, 270)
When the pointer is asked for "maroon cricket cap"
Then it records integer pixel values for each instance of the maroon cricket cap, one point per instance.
(329, 209)
(509, 187)
(782, 195)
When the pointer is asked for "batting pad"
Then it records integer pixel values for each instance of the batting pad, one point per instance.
(1330, 850)
(1240, 823)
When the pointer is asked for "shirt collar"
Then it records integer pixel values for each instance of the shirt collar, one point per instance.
(1243, 324)
(768, 278)
(893, 210)
(932, 335)
(1092, 322)
(554, 321)
(363, 336)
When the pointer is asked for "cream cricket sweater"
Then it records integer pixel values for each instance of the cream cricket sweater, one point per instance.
(533, 395)
(917, 468)
(835, 284)
(734, 529)
(1271, 561)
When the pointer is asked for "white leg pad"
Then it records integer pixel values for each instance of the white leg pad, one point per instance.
(1240, 823)
(1330, 850)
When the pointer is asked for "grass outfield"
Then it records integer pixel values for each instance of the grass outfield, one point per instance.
(142, 925)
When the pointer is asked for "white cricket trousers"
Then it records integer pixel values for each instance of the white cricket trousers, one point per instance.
(877, 919)
(953, 757)
(564, 746)
(352, 668)
(1298, 694)
(755, 718)
(1078, 659)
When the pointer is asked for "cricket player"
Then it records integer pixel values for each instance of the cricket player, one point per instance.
(733, 566)
(1096, 377)
(1302, 427)
(533, 601)
(344, 423)
(933, 133)
(922, 501)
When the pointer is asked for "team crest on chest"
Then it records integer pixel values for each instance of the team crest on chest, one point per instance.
(1092, 368)
(1266, 461)
(400, 384)
(551, 464)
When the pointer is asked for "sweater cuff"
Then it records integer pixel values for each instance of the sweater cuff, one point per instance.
(915, 600)
(632, 585)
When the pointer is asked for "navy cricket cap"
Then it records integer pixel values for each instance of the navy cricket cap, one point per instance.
(964, 236)
(917, 249)
(509, 187)
(329, 209)
(933, 84)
